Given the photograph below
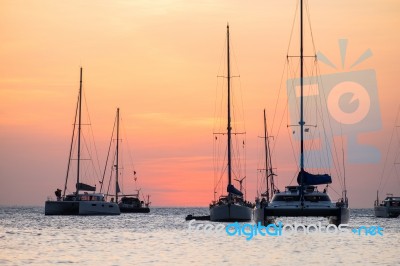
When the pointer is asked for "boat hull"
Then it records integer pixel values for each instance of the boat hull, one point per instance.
(61, 208)
(336, 215)
(134, 210)
(259, 216)
(81, 208)
(230, 213)
(387, 212)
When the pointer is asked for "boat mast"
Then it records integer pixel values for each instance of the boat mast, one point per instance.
(266, 155)
(301, 94)
(79, 132)
(301, 122)
(117, 159)
(229, 111)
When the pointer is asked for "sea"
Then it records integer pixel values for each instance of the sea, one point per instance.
(164, 237)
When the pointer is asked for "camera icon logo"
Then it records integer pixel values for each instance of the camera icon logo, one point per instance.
(344, 103)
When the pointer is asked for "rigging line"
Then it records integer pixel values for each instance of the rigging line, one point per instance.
(90, 159)
(98, 170)
(109, 180)
(322, 159)
(121, 167)
(397, 174)
(220, 157)
(127, 146)
(335, 158)
(71, 149)
(223, 66)
(285, 114)
(387, 155)
(279, 93)
(293, 89)
(108, 155)
(393, 166)
(335, 162)
(75, 144)
(234, 64)
(220, 179)
(294, 153)
(220, 170)
(388, 149)
(309, 23)
(293, 25)
(335, 191)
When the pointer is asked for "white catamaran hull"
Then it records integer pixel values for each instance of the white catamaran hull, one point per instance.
(230, 212)
(81, 208)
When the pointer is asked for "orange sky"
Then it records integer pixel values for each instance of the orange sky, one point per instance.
(158, 62)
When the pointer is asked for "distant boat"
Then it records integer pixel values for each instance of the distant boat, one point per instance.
(230, 207)
(79, 203)
(127, 203)
(305, 199)
(267, 192)
(390, 206)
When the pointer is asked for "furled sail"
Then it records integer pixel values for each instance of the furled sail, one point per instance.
(233, 190)
(311, 179)
(86, 187)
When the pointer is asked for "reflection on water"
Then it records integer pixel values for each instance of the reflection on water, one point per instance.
(162, 237)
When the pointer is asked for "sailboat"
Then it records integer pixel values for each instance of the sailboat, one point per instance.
(268, 191)
(127, 203)
(80, 202)
(231, 207)
(390, 206)
(305, 199)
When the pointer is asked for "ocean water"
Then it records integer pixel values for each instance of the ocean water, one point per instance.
(162, 237)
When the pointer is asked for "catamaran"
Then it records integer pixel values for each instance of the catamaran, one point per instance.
(80, 202)
(230, 207)
(304, 199)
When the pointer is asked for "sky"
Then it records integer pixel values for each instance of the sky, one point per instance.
(158, 62)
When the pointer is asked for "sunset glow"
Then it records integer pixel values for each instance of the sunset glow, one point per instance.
(158, 62)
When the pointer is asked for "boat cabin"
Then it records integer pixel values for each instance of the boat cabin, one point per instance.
(391, 201)
(85, 197)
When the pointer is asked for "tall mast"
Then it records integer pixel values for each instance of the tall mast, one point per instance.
(229, 109)
(301, 94)
(266, 154)
(117, 159)
(79, 132)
